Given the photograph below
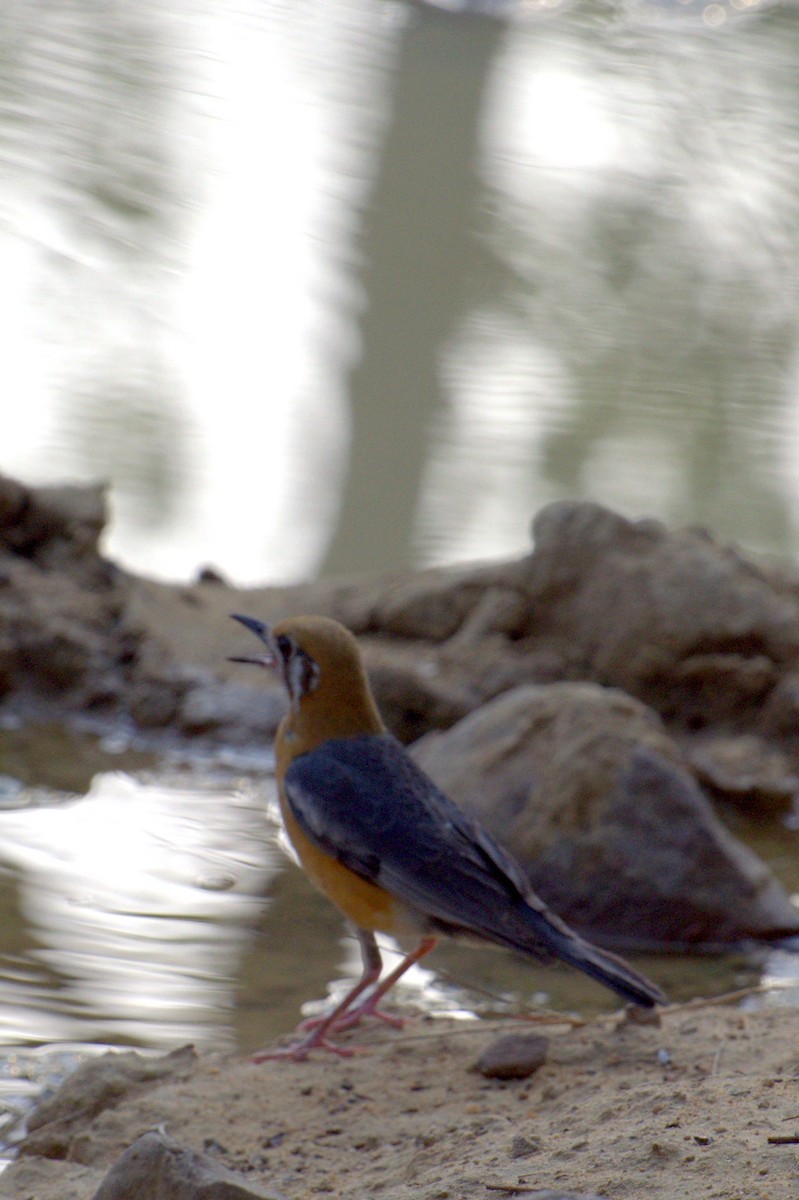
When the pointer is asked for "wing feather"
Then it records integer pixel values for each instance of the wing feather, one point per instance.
(364, 801)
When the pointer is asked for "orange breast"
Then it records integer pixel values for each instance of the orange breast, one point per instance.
(365, 904)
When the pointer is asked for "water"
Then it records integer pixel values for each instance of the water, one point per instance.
(151, 906)
(292, 277)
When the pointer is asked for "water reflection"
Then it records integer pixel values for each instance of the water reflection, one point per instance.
(417, 241)
(126, 913)
(158, 911)
(94, 188)
(331, 265)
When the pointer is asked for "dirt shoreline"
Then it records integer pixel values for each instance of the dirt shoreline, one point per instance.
(684, 1109)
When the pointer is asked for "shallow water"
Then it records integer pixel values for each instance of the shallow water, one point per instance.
(159, 904)
(293, 276)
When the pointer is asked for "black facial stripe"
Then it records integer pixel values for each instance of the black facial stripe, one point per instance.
(309, 675)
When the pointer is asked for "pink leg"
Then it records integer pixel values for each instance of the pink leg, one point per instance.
(368, 1007)
(343, 1016)
(320, 1026)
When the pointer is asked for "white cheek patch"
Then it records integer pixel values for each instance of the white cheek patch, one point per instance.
(302, 676)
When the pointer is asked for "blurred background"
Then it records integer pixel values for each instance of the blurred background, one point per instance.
(322, 286)
(334, 285)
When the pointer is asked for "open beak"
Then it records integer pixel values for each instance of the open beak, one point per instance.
(261, 631)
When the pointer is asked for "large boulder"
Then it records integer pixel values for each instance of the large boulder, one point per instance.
(586, 788)
(674, 617)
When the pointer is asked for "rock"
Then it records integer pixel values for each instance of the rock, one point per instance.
(549, 1195)
(707, 638)
(33, 1178)
(98, 1084)
(157, 1167)
(51, 525)
(515, 1056)
(587, 790)
(522, 1147)
(746, 770)
(414, 695)
(153, 703)
(241, 711)
(211, 575)
(61, 633)
(433, 604)
(684, 623)
(57, 636)
(690, 627)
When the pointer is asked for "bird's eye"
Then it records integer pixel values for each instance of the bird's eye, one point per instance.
(284, 646)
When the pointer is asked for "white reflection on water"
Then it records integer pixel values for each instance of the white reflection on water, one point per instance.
(188, 193)
(136, 901)
(781, 975)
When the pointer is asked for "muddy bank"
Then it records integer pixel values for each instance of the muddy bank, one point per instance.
(702, 1105)
(705, 637)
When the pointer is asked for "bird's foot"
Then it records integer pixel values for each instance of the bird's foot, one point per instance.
(299, 1051)
(348, 1020)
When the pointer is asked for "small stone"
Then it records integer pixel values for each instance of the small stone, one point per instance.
(522, 1147)
(558, 1195)
(636, 1014)
(516, 1056)
(213, 575)
(154, 707)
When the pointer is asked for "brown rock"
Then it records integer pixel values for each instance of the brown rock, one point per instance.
(57, 636)
(679, 620)
(51, 524)
(414, 694)
(587, 790)
(40, 1178)
(157, 1167)
(709, 640)
(515, 1056)
(97, 1085)
(746, 770)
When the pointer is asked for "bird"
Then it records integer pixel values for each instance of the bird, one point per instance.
(385, 844)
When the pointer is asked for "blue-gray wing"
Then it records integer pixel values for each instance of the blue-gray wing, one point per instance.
(365, 802)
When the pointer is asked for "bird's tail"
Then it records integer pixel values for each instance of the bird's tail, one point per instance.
(535, 929)
(608, 968)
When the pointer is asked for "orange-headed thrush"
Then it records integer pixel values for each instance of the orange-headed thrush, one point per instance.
(377, 836)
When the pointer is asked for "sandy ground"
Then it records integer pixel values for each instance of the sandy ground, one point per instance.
(684, 1110)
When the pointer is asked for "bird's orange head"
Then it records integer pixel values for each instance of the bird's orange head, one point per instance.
(320, 664)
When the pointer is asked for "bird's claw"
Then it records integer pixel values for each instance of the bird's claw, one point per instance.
(349, 1020)
(299, 1051)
